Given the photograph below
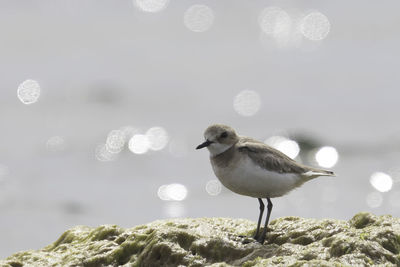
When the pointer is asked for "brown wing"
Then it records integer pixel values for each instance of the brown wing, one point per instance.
(269, 158)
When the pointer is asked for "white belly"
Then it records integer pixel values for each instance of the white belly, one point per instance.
(247, 178)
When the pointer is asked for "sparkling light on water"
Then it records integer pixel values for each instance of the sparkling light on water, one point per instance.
(152, 6)
(381, 181)
(374, 199)
(213, 187)
(174, 209)
(247, 103)
(158, 138)
(198, 18)
(162, 193)
(56, 143)
(274, 21)
(139, 144)
(281, 27)
(285, 145)
(28, 92)
(327, 156)
(115, 141)
(129, 131)
(315, 26)
(102, 154)
(172, 192)
(395, 174)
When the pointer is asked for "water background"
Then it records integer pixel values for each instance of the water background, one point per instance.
(102, 65)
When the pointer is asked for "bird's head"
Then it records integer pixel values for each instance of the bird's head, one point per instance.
(219, 138)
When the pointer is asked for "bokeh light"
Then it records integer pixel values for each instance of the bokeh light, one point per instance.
(162, 193)
(129, 131)
(394, 172)
(152, 6)
(213, 187)
(172, 192)
(274, 21)
(102, 154)
(280, 27)
(198, 18)
(115, 141)
(139, 144)
(285, 145)
(28, 92)
(327, 156)
(381, 181)
(158, 138)
(247, 103)
(315, 26)
(374, 199)
(56, 144)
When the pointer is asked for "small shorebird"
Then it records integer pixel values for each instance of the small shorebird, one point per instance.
(252, 168)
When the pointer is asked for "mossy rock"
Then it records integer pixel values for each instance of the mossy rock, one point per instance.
(365, 240)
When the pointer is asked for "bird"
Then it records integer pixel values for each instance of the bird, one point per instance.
(251, 168)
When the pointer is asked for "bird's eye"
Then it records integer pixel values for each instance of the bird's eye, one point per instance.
(224, 135)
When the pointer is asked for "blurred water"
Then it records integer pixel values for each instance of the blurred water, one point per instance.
(104, 65)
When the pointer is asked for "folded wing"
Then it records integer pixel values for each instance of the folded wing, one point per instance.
(274, 160)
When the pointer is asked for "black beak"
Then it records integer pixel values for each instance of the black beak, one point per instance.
(205, 144)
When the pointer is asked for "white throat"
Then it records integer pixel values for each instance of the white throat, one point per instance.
(217, 148)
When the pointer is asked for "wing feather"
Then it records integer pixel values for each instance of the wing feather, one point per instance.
(269, 158)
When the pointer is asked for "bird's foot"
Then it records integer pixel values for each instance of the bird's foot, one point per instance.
(246, 239)
(261, 239)
(251, 239)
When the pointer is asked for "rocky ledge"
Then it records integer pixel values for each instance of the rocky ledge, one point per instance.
(291, 241)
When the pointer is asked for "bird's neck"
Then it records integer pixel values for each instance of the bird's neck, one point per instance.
(218, 149)
(223, 159)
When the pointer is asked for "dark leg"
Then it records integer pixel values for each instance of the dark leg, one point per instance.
(261, 239)
(259, 218)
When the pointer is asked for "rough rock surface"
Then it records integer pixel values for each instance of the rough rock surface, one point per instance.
(365, 240)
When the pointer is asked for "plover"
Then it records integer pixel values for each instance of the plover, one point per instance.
(252, 168)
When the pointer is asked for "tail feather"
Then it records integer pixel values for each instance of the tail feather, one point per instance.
(316, 173)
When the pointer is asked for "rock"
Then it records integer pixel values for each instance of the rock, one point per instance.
(291, 241)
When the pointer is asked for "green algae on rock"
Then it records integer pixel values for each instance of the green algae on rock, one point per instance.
(291, 241)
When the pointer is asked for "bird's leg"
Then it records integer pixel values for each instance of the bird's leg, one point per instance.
(262, 206)
(261, 238)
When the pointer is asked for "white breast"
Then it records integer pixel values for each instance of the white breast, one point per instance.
(247, 178)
